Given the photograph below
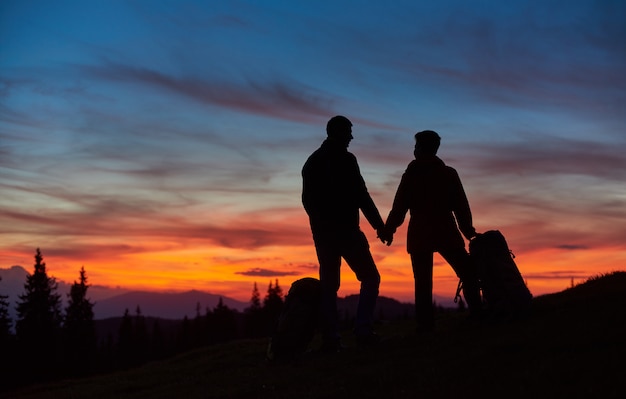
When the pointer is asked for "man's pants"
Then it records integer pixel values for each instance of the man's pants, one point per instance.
(354, 248)
(422, 262)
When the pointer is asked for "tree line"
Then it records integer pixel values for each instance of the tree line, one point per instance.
(49, 343)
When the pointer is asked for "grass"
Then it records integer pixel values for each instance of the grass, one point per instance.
(573, 345)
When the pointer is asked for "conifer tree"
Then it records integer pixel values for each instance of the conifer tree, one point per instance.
(79, 310)
(5, 320)
(9, 373)
(200, 327)
(224, 323)
(125, 340)
(157, 341)
(253, 315)
(274, 297)
(185, 335)
(79, 329)
(140, 336)
(272, 306)
(255, 300)
(39, 320)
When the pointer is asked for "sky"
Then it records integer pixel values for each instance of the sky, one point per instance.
(159, 144)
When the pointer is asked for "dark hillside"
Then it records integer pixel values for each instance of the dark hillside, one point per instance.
(572, 346)
(594, 292)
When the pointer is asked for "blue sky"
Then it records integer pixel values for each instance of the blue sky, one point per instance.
(172, 133)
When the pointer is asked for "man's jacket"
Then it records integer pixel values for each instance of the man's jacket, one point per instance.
(334, 191)
(434, 195)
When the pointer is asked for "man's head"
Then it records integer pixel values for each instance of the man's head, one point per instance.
(427, 143)
(339, 129)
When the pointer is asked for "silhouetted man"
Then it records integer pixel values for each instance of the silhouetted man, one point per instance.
(333, 193)
(434, 195)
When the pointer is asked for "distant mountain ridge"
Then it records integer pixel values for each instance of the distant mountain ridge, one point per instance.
(164, 305)
(112, 302)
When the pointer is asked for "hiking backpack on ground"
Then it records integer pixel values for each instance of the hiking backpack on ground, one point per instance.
(297, 322)
(505, 293)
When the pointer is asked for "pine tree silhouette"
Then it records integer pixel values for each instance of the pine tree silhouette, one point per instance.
(255, 300)
(274, 298)
(141, 338)
(224, 322)
(272, 306)
(39, 321)
(158, 345)
(253, 315)
(79, 329)
(125, 340)
(10, 374)
(5, 320)
(199, 327)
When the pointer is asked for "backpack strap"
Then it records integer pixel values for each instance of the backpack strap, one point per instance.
(459, 287)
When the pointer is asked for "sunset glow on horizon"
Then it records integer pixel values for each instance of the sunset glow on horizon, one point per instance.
(159, 144)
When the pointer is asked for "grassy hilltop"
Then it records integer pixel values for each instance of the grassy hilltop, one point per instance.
(573, 345)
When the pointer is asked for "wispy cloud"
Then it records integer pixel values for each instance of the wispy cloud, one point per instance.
(571, 247)
(267, 273)
(525, 60)
(541, 155)
(290, 101)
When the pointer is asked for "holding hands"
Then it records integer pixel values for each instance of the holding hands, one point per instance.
(385, 235)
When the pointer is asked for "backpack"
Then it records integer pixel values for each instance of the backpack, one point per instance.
(297, 322)
(505, 294)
